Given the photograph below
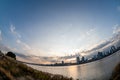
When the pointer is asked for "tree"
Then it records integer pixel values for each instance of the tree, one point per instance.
(11, 54)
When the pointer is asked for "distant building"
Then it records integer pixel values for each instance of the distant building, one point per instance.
(113, 49)
(94, 57)
(77, 59)
(99, 55)
(83, 59)
(62, 62)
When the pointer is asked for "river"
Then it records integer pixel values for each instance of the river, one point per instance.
(97, 70)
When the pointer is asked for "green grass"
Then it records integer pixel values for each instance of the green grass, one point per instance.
(10, 69)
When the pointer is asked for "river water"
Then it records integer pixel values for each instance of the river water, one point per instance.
(97, 70)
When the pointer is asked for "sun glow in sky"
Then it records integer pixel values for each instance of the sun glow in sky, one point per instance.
(56, 27)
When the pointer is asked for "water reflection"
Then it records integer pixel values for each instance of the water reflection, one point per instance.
(74, 70)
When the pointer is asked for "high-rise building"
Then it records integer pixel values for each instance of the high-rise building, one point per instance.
(83, 59)
(78, 59)
(62, 62)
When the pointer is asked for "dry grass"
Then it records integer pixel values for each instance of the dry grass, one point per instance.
(13, 70)
(5, 75)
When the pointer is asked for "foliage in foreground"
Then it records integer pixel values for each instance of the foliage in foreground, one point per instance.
(10, 69)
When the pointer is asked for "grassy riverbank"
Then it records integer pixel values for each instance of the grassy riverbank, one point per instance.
(10, 69)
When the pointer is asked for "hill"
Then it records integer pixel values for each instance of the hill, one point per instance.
(11, 69)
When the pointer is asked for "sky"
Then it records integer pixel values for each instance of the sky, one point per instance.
(56, 27)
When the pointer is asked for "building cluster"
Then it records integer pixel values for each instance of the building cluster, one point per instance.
(99, 55)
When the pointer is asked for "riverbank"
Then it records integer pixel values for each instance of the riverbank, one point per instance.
(96, 70)
(11, 69)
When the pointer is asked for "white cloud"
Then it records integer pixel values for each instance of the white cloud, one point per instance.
(0, 35)
(13, 30)
(116, 29)
(23, 45)
(90, 31)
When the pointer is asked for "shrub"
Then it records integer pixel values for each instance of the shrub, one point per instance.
(11, 54)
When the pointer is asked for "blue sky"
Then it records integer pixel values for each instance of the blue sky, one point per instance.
(56, 27)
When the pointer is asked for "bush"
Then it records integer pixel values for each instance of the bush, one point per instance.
(11, 54)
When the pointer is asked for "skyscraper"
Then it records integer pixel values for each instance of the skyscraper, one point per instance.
(77, 60)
